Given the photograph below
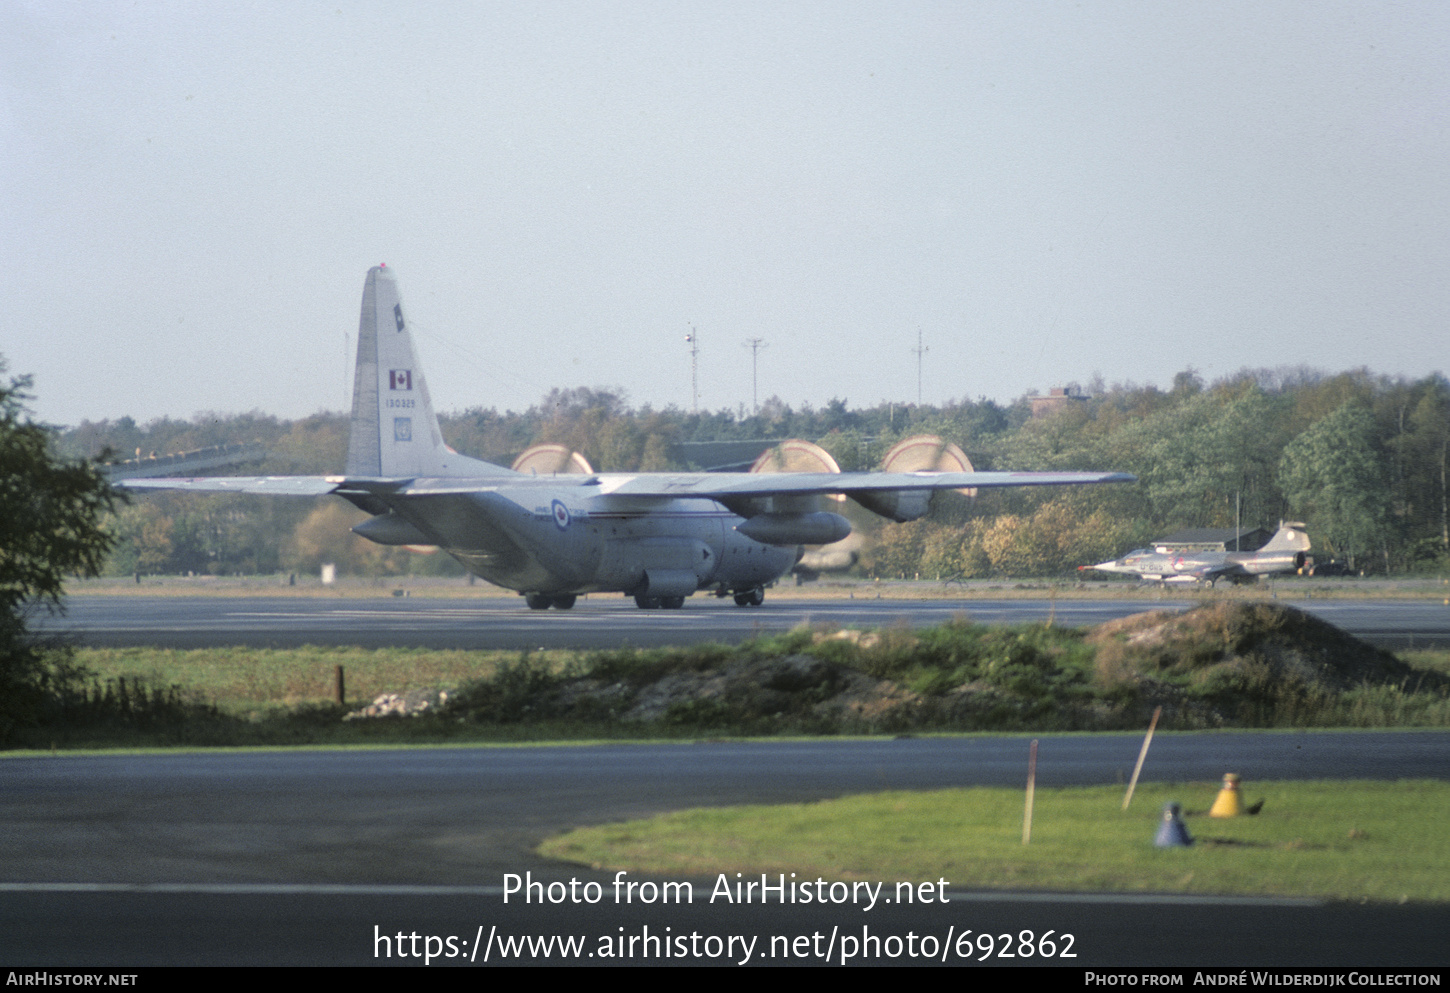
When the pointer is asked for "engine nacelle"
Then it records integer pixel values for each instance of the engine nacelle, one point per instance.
(897, 505)
(819, 528)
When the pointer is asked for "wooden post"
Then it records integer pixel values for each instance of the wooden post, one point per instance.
(339, 687)
(1142, 754)
(1031, 788)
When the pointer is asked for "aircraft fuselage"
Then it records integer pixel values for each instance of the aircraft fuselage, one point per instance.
(564, 539)
(1194, 567)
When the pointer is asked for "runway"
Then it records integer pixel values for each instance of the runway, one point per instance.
(313, 857)
(607, 622)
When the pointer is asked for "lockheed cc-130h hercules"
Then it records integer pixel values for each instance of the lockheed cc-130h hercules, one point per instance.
(1285, 552)
(658, 537)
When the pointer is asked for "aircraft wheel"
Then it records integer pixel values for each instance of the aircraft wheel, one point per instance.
(750, 598)
(672, 602)
(647, 602)
(564, 602)
(537, 601)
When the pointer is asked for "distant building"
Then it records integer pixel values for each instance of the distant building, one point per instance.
(1057, 398)
(186, 463)
(1214, 540)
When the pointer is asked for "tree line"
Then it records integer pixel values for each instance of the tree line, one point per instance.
(1359, 457)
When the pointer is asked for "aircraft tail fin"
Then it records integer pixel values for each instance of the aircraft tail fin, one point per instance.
(1289, 538)
(394, 431)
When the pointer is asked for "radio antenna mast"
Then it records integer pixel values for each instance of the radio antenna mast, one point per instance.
(920, 350)
(694, 339)
(755, 344)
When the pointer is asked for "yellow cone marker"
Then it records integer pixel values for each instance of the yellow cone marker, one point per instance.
(1229, 802)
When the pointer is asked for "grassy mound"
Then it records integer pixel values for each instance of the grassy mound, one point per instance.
(1219, 665)
(1245, 664)
(1224, 664)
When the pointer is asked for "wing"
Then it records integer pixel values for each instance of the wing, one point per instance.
(707, 485)
(900, 496)
(307, 486)
(1210, 571)
(724, 486)
(279, 485)
(744, 484)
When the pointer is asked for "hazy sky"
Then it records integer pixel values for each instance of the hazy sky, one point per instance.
(193, 194)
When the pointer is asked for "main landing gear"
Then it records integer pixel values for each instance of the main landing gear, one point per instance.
(750, 598)
(655, 602)
(542, 601)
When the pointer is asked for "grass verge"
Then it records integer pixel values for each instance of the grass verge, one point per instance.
(249, 682)
(1330, 840)
(1220, 665)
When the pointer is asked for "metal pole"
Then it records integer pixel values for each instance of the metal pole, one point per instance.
(694, 339)
(756, 344)
(920, 350)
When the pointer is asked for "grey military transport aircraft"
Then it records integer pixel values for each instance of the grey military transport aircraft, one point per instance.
(658, 537)
(1285, 552)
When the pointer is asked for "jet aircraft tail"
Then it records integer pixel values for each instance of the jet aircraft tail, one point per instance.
(1289, 538)
(394, 432)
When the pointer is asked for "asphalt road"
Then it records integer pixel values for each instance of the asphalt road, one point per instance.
(295, 858)
(340, 857)
(602, 622)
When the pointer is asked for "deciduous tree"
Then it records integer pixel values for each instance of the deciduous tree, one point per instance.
(51, 511)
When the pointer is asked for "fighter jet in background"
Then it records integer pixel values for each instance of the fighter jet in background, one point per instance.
(1285, 552)
(658, 537)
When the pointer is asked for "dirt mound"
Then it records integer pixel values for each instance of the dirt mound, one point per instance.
(1239, 663)
(1294, 645)
(797, 686)
(791, 692)
(1219, 665)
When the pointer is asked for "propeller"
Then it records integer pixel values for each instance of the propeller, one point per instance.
(928, 453)
(797, 455)
(551, 460)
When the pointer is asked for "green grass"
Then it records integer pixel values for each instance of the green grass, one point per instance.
(1332, 840)
(1215, 667)
(1431, 660)
(247, 681)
